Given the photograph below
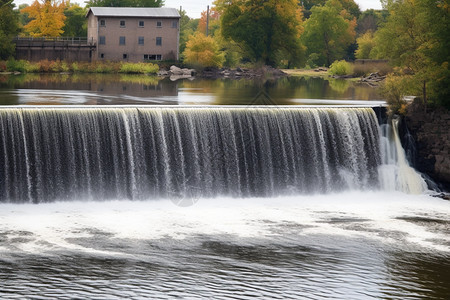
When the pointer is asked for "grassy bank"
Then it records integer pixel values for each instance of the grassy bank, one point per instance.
(47, 66)
(342, 68)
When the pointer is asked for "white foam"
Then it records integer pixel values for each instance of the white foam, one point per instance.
(53, 225)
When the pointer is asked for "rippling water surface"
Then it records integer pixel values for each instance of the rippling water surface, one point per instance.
(344, 246)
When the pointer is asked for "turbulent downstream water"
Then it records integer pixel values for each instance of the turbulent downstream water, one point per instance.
(355, 245)
(304, 203)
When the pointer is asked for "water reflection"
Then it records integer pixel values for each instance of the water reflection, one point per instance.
(99, 89)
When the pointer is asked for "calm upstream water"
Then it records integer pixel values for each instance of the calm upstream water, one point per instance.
(210, 203)
(100, 89)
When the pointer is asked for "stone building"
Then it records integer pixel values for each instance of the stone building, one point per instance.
(134, 34)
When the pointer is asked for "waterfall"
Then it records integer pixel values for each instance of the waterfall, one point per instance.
(100, 153)
(395, 172)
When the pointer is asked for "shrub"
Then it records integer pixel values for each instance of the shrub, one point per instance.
(139, 68)
(13, 65)
(102, 68)
(45, 66)
(340, 68)
(32, 67)
(394, 89)
(2, 66)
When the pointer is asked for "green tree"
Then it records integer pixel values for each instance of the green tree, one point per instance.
(8, 28)
(76, 23)
(265, 29)
(203, 51)
(415, 38)
(187, 28)
(348, 5)
(366, 43)
(24, 18)
(125, 3)
(328, 33)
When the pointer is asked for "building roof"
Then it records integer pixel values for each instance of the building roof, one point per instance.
(139, 12)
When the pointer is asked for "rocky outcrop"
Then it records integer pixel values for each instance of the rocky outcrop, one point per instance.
(176, 73)
(431, 132)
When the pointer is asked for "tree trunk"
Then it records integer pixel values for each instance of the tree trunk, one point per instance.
(424, 95)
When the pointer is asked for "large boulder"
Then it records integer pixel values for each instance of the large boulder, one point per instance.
(174, 70)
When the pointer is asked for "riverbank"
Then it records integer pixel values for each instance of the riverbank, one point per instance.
(102, 67)
(218, 73)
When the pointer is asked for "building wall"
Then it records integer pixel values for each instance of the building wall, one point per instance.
(112, 31)
(93, 29)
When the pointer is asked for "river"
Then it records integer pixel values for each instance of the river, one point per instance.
(331, 223)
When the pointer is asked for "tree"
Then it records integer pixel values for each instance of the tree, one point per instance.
(202, 50)
(124, 3)
(348, 5)
(328, 32)
(76, 23)
(366, 43)
(8, 28)
(24, 18)
(187, 28)
(370, 20)
(265, 29)
(47, 18)
(214, 21)
(415, 38)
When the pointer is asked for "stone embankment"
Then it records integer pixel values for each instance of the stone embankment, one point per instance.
(431, 132)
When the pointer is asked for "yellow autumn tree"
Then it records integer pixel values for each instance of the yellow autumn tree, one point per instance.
(203, 51)
(47, 18)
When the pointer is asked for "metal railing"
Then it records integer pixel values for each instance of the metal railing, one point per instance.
(55, 40)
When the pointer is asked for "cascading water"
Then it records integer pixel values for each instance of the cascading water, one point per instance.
(395, 172)
(49, 154)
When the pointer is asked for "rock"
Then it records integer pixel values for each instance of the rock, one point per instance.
(178, 77)
(163, 73)
(174, 70)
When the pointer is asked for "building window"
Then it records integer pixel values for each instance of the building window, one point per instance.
(174, 24)
(121, 40)
(102, 23)
(102, 40)
(158, 24)
(141, 40)
(152, 56)
(122, 23)
(159, 41)
(141, 23)
(125, 56)
(102, 55)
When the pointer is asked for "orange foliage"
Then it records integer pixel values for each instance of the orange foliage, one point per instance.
(213, 19)
(47, 18)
